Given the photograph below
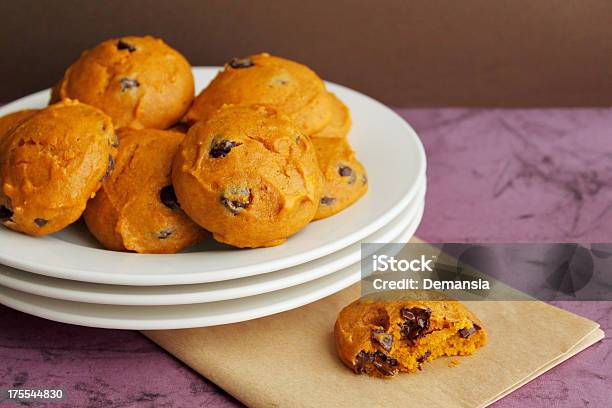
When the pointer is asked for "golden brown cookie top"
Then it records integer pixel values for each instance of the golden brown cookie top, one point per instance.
(340, 122)
(136, 208)
(253, 173)
(140, 82)
(404, 331)
(52, 163)
(12, 120)
(143, 164)
(260, 79)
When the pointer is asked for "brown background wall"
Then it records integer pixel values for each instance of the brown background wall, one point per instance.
(403, 52)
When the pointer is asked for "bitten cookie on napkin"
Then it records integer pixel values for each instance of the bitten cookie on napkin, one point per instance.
(381, 337)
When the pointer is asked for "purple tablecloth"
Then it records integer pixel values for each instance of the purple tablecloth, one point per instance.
(494, 175)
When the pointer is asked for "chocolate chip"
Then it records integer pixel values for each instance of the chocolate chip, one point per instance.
(281, 81)
(5, 213)
(165, 233)
(41, 222)
(221, 148)
(385, 364)
(122, 45)
(327, 200)
(416, 322)
(345, 171)
(236, 199)
(168, 198)
(237, 63)
(383, 338)
(114, 142)
(424, 357)
(128, 83)
(364, 179)
(110, 168)
(467, 332)
(361, 360)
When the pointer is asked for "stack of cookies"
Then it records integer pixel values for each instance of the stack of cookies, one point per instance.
(300, 94)
(255, 157)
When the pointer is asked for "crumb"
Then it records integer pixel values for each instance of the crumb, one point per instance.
(453, 363)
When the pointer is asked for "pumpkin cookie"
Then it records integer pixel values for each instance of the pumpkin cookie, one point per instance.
(383, 335)
(340, 122)
(290, 87)
(139, 81)
(345, 179)
(51, 164)
(136, 208)
(248, 175)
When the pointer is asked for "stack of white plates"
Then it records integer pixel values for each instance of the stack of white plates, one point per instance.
(68, 277)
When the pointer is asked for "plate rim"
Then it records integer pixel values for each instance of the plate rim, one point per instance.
(408, 219)
(343, 279)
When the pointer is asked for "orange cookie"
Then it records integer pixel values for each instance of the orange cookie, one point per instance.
(139, 81)
(345, 178)
(380, 336)
(292, 88)
(136, 209)
(248, 175)
(51, 164)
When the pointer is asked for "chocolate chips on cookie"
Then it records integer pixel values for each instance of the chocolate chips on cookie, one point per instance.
(238, 63)
(258, 182)
(126, 215)
(265, 153)
(153, 86)
(413, 333)
(415, 324)
(263, 79)
(344, 175)
(123, 45)
(168, 198)
(221, 148)
(47, 194)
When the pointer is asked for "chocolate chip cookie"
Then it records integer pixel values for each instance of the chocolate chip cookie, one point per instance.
(384, 334)
(140, 82)
(51, 164)
(288, 86)
(248, 175)
(136, 208)
(345, 178)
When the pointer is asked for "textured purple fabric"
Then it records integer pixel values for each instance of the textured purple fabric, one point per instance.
(494, 175)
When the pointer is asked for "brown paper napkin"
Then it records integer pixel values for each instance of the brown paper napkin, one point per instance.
(289, 359)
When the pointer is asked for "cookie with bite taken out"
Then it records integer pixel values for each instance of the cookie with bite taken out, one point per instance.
(385, 333)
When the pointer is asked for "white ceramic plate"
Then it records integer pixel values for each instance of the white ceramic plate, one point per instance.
(186, 316)
(208, 292)
(384, 142)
